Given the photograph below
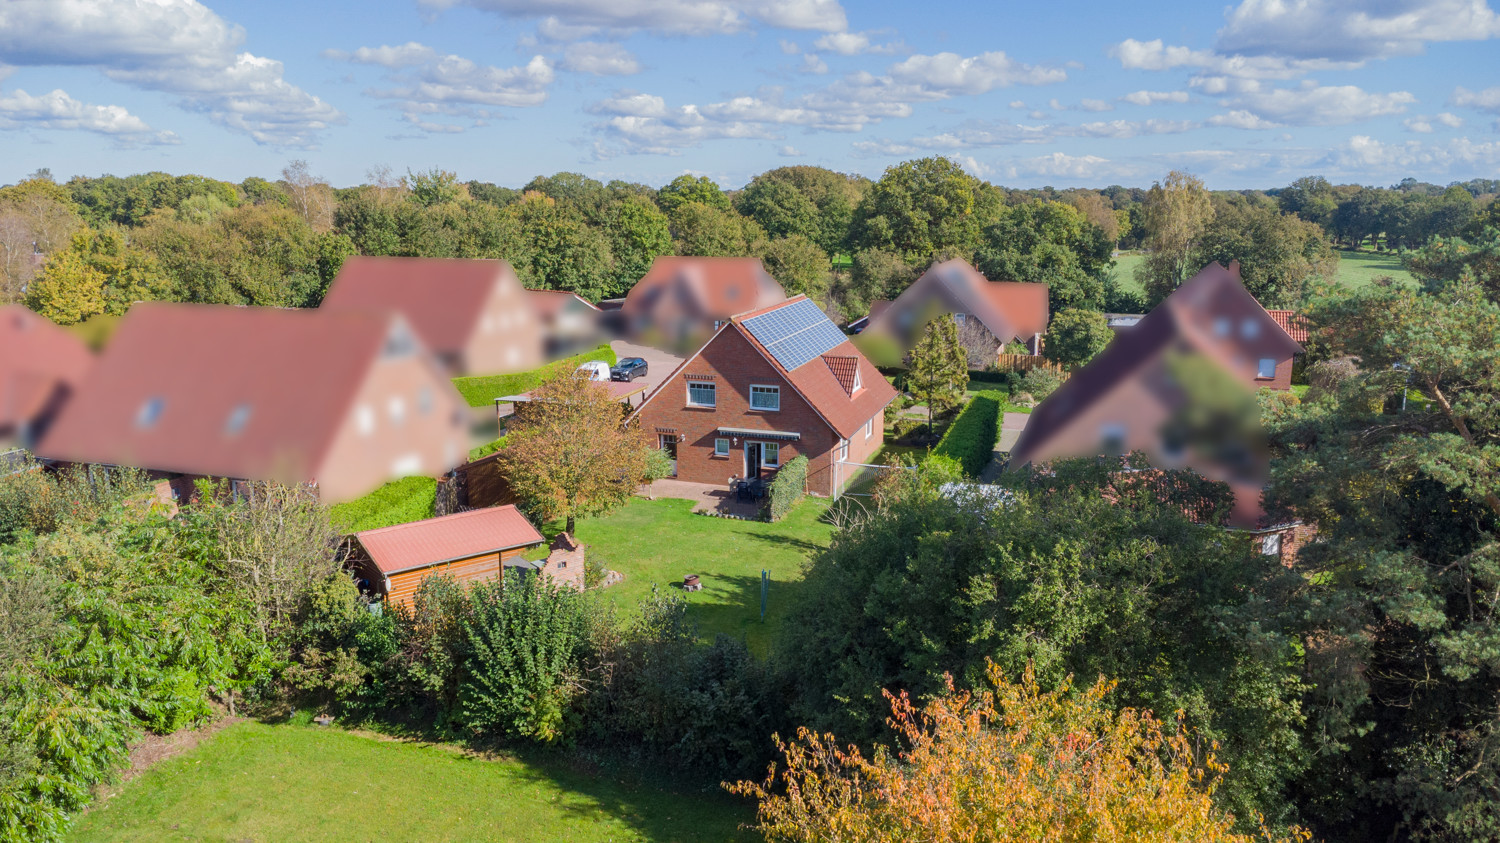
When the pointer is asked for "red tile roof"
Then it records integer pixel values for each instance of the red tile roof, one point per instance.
(460, 536)
(821, 387)
(442, 298)
(39, 363)
(717, 287)
(844, 369)
(1294, 325)
(295, 371)
(1023, 304)
(1011, 310)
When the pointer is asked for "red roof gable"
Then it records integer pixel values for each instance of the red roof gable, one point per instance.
(442, 298)
(38, 362)
(717, 287)
(1294, 325)
(460, 536)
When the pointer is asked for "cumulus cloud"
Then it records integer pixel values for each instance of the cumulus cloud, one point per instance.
(855, 44)
(1485, 100)
(1425, 124)
(58, 110)
(812, 63)
(178, 47)
(951, 73)
(1353, 30)
(453, 86)
(1154, 97)
(789, 152)
(600, 59)
(1240, 119)
(1364, 154)
(682, 17)
(1331, 105)
(1063, 165)
(1157, 55)
(1095, 105)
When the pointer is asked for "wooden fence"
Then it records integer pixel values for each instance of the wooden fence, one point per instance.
(1027, 362)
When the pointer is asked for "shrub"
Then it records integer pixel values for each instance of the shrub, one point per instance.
(788, 488)
(1326, 375)
(970, 439)
(658, 464)
(905, 427)
(1023, 399)
(1040, 382)
(482, 451)
(397, 502)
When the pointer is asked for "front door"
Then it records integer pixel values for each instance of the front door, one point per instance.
(752, 460)
(668, 442)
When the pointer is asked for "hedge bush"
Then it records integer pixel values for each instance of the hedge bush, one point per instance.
(397, 502)
(482, 391)
(788, 488)
(971, 437)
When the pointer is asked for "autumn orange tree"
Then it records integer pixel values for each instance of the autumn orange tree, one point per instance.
(568, 454)
(1006, 763)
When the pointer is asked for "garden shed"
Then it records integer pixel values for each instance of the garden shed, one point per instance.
(472, 547)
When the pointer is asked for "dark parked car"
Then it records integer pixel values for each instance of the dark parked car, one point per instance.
(628, 369)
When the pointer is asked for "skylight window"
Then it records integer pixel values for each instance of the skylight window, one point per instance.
(238, 418)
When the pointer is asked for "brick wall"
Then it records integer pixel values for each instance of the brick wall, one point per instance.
(564, 563)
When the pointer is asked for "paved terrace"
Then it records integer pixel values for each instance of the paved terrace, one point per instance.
(705, 497)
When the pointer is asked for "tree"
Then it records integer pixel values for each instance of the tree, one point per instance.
(1447, 259)
(562, 252)
(1099, 212)
(873, 276)
(1312, 198)
(798, 264)
(1006, 762)
(779, 207)
(435, 187)
(1048, 243)
(939, 371)
(568, 453)
(1075, 336)
(36, 217)
(311, 196)
(638, 233)
(1176, 211)
(833, 195)
(68, 290)
(697, 189)
(1279, 254)
(711, 231)
(922, 210)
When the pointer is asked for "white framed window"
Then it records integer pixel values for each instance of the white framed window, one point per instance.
(1266, 368)
(396, 408)
(1112, 439)
(770, 455)
(859, 382)
(1270, 545)
(765, 397)
(364, 419)
(959, 318)
(721, 447)
(870, 428)
(702, 394)
(843, 449)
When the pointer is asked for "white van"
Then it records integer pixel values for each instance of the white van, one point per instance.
(597, 370)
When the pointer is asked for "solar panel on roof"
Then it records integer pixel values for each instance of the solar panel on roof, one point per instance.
(796, 333)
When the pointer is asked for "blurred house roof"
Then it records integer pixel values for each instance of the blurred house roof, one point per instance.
(549, 303)
(1011, 310)
(463, 535)
(40, 365)
(712, 288)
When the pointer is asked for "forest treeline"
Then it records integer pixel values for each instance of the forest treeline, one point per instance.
(93, 245)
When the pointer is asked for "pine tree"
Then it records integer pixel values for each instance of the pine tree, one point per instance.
(939, 371)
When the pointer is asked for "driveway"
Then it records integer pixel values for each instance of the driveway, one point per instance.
(659, 363)
(1011, 426)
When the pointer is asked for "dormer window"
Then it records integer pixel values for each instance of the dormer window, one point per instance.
(1222, 326)
(238, 418)
(150, 412)
(859, 382)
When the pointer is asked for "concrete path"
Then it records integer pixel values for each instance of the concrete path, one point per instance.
(659, 363)
(1010, 430)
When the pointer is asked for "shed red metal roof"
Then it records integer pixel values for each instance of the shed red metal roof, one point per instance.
(463, 535)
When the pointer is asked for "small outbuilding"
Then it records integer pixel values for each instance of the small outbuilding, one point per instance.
(472, 547)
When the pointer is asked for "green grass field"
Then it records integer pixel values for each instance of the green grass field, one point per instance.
(656, 543)
(1356, 269)
(254, 781)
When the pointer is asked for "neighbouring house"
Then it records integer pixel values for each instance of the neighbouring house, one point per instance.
(771, 385)
(1136, 394)
(40, 367)
(877, 307)
(1293, 323)
(342, 400)
(570, 324)
(473, 314)
(471, 547)
(681, 301)
(1009, 311)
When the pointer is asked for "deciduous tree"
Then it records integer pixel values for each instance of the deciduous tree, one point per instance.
(1175, 214)
(1075, 336)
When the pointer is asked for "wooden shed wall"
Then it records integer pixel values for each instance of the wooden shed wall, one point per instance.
(476, 569)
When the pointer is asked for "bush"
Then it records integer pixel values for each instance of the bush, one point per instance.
(398, 502)
(482, 391)
(905, 427)
(658, 464)
(1023, 399)
(970, 439)
(1040, 382)
(1326, 375)
(788, 488)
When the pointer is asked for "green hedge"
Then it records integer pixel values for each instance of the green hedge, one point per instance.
(971, 437)
(788, 488)
(482, 391)
(486, 449)
(397, 502)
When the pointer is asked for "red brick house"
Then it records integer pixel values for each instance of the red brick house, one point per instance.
(771, 385)
(1124, 399)
(1011, 311)
(343, 401)
(681, 301)
(40, 367)
(473, 314)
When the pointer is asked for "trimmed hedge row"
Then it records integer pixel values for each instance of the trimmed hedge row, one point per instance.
(398, 502)
(971, 437)
(788, 488)
(482, 391)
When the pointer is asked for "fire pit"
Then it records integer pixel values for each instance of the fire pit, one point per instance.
(691, 583)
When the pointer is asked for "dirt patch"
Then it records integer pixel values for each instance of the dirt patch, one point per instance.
(154, 749)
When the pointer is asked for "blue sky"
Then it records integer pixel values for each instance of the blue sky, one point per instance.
(1022, 94)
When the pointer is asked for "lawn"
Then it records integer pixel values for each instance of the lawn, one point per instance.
(254, 781)
(1356, 269)
(655, 543)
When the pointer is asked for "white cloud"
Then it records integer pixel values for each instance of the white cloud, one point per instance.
(1095, 105)
(854, 44)
(600, 59)
(1017, 103)
(1154, 97)
(178, 47)
(1156, 55)
(1353, 30)
(1060, 164)
(812, 63)
(789, 48)
(58, 110)
(953, 74)
(1485, 100)
(554, 29)
(1240, 119)
(682, 17)
(633, 105)
(1456, 157)
(1331, 105)
(1424, 124)
(789, 152)
(454, 86)
(406, 55)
